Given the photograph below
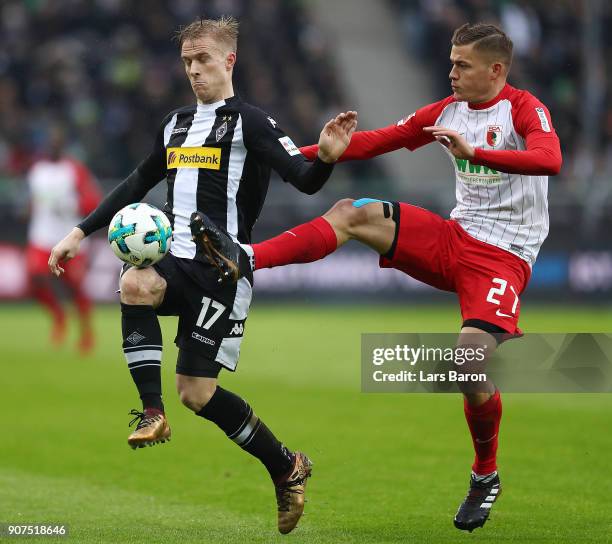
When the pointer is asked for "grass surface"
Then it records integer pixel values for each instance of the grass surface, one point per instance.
(388, 468)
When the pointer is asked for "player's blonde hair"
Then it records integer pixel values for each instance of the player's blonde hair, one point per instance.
(489, 39)
(224, 30)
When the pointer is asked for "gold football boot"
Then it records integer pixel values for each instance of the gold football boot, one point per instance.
(290, 494)
(151, 429)
(221, 251)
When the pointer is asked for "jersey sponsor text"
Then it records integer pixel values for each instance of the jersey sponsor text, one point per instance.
(194, 157)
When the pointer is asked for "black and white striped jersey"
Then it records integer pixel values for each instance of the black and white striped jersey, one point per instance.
(216, 158)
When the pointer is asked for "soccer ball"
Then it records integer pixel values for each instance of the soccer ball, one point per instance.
(140, 234)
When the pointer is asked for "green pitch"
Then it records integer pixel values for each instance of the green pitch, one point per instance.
(388, 468)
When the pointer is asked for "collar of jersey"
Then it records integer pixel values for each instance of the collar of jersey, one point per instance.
(211, 107)
(504, 93)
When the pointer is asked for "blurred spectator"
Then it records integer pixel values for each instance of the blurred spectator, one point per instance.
(62, 191)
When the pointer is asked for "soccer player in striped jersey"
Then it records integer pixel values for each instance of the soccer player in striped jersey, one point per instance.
(216, 156)
(502, 145)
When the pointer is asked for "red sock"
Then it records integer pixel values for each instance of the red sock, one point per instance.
(302, 244)
(83, 306)
(483, 422)
(45, 296)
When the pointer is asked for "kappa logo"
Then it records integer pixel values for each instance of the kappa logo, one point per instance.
(135, 338)
(221, 131)
(494, 135)
(202, 339)
(238, 330)
(180, 130)
(272, 122)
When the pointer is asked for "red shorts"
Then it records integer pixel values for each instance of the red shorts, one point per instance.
(37, 259)
(437, 251)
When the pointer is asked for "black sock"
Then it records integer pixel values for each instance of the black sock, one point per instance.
(142, 346)
(236, 419)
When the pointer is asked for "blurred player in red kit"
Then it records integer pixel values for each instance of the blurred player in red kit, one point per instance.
(62, 192)
(502, 146)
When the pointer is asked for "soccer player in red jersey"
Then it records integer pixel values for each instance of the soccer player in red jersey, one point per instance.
(62, 192)
(503, 147)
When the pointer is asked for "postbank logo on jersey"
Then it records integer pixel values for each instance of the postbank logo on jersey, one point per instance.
(476, 174)
(193, 157)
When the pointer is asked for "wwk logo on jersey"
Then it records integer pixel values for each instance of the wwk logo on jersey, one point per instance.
(289, 146)
(475, 174)
(194, 157)
(494, 133)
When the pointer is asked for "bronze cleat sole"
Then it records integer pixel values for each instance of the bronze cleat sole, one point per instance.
(149, 444)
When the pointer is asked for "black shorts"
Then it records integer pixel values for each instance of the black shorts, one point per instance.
(211, 315)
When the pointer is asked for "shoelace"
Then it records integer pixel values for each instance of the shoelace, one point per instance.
(144, 419)
(214, 259)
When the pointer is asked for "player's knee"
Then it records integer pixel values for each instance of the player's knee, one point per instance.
(196, 398)
(141, 287)
(346, 216)
(133, 289)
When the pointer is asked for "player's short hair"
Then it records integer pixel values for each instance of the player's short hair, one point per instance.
(224, 29)
(486, 38)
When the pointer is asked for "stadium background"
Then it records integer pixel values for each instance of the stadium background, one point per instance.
(107, 72)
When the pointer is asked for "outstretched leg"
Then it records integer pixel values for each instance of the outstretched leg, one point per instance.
(372, 222)
(366, 220)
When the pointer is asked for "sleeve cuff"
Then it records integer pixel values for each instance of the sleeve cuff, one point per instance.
(85, 230)
(479, 154)
(322, 165)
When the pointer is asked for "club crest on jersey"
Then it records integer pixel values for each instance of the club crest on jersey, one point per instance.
(494, 133)
(221, 131)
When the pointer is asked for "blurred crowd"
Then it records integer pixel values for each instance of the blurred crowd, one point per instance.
(549, 60)
(109, 71)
